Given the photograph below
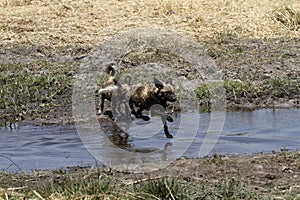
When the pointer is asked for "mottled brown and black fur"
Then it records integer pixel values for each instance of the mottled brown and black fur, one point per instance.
(110, 86)
(147, 97)
(155, 98)
(110, 80)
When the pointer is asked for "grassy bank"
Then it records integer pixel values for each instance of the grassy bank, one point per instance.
(41, 90)
(101, 186)
(274, 176)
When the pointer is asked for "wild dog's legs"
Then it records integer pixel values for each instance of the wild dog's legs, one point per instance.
(168, 117)
(102, 103)
(127, 109)
(137, 114)
(166, 129)
(140, 115)
(109, 113)
(132, 107)
(161, 111)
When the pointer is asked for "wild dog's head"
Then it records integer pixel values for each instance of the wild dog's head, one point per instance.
(164, 91)
(110, 76)
(110, 70)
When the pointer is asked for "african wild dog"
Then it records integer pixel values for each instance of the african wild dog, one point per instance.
(146, 97)
(143, 98)
(106, 94)
(110, 86)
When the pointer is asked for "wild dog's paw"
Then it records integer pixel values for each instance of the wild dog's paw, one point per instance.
(169, 135)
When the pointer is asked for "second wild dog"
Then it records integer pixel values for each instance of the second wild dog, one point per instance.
(112, 86)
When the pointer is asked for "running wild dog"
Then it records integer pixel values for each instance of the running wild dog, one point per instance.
(147, 97)
(155, 98)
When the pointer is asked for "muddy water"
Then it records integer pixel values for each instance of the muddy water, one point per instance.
(29, 147)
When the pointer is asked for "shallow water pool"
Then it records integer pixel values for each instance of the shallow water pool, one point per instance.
(29, 148)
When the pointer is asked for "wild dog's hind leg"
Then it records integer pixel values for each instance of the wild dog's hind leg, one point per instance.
(102, 103)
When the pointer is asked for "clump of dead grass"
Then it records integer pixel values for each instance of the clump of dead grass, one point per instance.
(60, 23)
(288, 17)
(14, 2)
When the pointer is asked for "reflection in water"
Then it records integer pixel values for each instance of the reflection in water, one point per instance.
(121, 139)
(31, 147)
(115, 134)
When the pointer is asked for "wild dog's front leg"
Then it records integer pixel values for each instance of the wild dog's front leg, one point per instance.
(161, 111)
(166, 129)
(168, 117)
(166, 113)
(140, 115)
(137, 114)
(132, 107)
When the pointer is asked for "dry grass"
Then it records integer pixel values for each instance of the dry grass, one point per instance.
(59, 23)
(288, 17)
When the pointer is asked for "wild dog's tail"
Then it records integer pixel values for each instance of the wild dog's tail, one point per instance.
(110, 70)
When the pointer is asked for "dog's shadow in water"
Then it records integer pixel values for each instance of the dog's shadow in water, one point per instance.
(120, 138)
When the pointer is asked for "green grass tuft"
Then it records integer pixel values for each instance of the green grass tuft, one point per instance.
(162, 188)
(33, 90)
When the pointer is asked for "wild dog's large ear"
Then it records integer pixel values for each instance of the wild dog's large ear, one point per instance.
(158, 83)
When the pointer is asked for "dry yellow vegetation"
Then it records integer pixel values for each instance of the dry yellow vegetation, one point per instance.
(60, 23)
